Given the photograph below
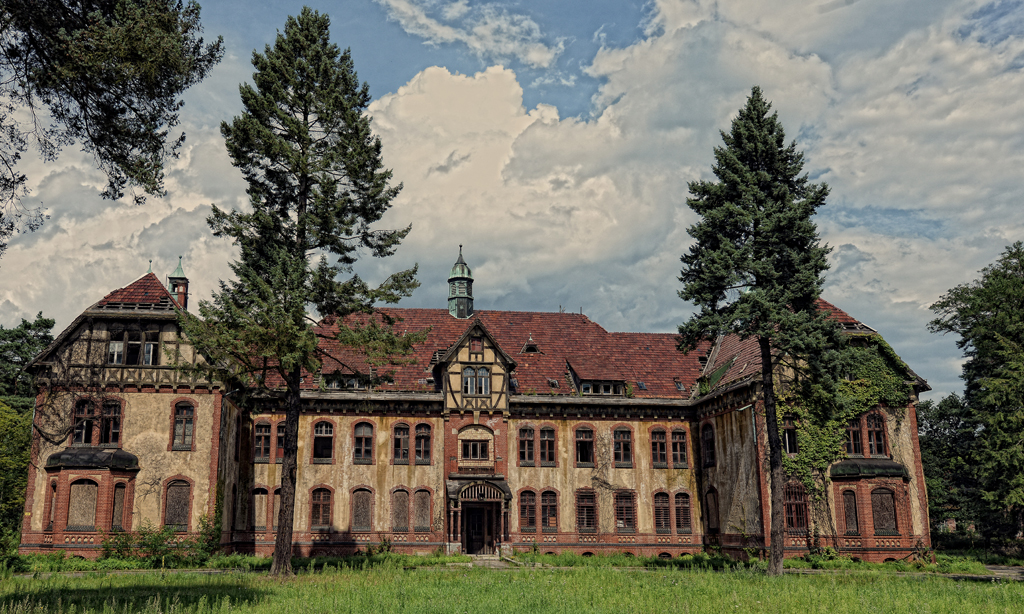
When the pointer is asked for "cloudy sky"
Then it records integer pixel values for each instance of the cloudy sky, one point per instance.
(555, 140)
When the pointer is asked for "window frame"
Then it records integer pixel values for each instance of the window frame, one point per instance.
(881, 431)
(84, 424)
(352, 508)
(625, 511)
(82, 528)
(622, 447)
(430, 509)
(469, 381)
(789, 438)
(659, 448)
(879, 492)
(408, 509)
(261, 442)
(548, 509)
(398, 449)
(680, 454)
(661, 506)
(279, 430)
(796, 509)
(362, 445)
(191, 499)
(423, 433)
(321, 528)
(707, 444)
(678, 517)
(527, 511)
(548, 446)
(849, 495)
(314, 436)
(527, 450)
(173, 444)
(588, 443)
(592, 505)
(110, 423)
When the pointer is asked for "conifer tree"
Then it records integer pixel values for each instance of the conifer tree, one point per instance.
(756, 269)
(316, 185)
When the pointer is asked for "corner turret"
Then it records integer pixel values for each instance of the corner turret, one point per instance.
(460, 289)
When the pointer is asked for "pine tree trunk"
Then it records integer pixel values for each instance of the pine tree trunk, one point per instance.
(282, 564)
(776, 485)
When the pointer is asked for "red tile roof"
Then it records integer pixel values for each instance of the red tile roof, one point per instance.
(564, 340)
(144, 291)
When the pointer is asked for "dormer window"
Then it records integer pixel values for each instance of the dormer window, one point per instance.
(679, 386)
(586, 389)
(606, 388)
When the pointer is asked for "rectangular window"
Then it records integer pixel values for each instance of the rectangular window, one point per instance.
(549, 512)
(789, 436)
(584, 448)
(183, 417)
(528, 512)
(362, 453)
(476, 345)
(134, 354)
(586, 511)
(679, 449)
(83, 435)
(279, 443)
(110, 424)
(623, 449)
(474, 450)
(853, 445)
(115, 353)
(547, 447)
(526, 447)
(422, 444)
(323, 443)
(625, 518)
(150, 355)
(261, 443)
(659, 453)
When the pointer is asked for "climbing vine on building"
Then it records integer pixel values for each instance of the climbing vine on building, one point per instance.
(876, 376)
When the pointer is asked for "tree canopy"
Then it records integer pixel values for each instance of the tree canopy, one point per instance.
(988, 316)
(756, 266)
(107, 74)
(317, 184)
(18, 346)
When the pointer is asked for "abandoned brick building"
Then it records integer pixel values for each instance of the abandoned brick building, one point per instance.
(509, 430)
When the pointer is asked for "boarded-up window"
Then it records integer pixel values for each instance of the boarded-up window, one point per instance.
(82, 506)
(277, 508)
(527, 511)
(883, 510)
(178, 495)
(259, 509)
(711, 500)
(662, 519)
(321, 517)
(683, 513)
(421, 510)
(400, 511)
(362, 510)
(850, 512)
(117, 514)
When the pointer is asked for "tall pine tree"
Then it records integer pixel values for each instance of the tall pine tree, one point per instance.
(316, 185)
(756, 268)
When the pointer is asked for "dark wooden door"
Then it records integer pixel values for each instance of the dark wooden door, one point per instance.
(479, 529)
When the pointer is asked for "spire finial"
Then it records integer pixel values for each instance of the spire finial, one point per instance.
(150, 266)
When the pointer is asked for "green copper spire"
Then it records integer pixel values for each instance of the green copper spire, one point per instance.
(460, 289)
(178, 272)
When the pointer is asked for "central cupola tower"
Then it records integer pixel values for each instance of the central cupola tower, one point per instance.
(460, 289)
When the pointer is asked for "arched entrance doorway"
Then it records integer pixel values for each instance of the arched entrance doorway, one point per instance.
(483, 516)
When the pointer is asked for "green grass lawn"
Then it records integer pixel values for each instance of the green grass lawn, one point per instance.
(389, 588)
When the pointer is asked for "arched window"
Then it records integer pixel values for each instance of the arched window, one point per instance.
(117, 508)
(469, 380)
(659, 452)
(323, 442)
(362, 510)
(526, 447)
(184, 416)
(707, 444)
(876, 434)
(528, 511)
(260, 442)
(796, 509)
(400, 511)
(321, 505)
(625, 513)
(110, 424)
(683, 525)
(586, 511)
(483, 381)
(679, 449)
(883, 511)
(623, 448)
(584, 447)
(259, 509)
(401, 440)
(362, 453)
(179, 495)
(547, 447)
(850, 512)
(421, 511)
(789, 435)
(662, 513)
(711, 502)
(422, 444)
(549, 511)
(82, 506)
